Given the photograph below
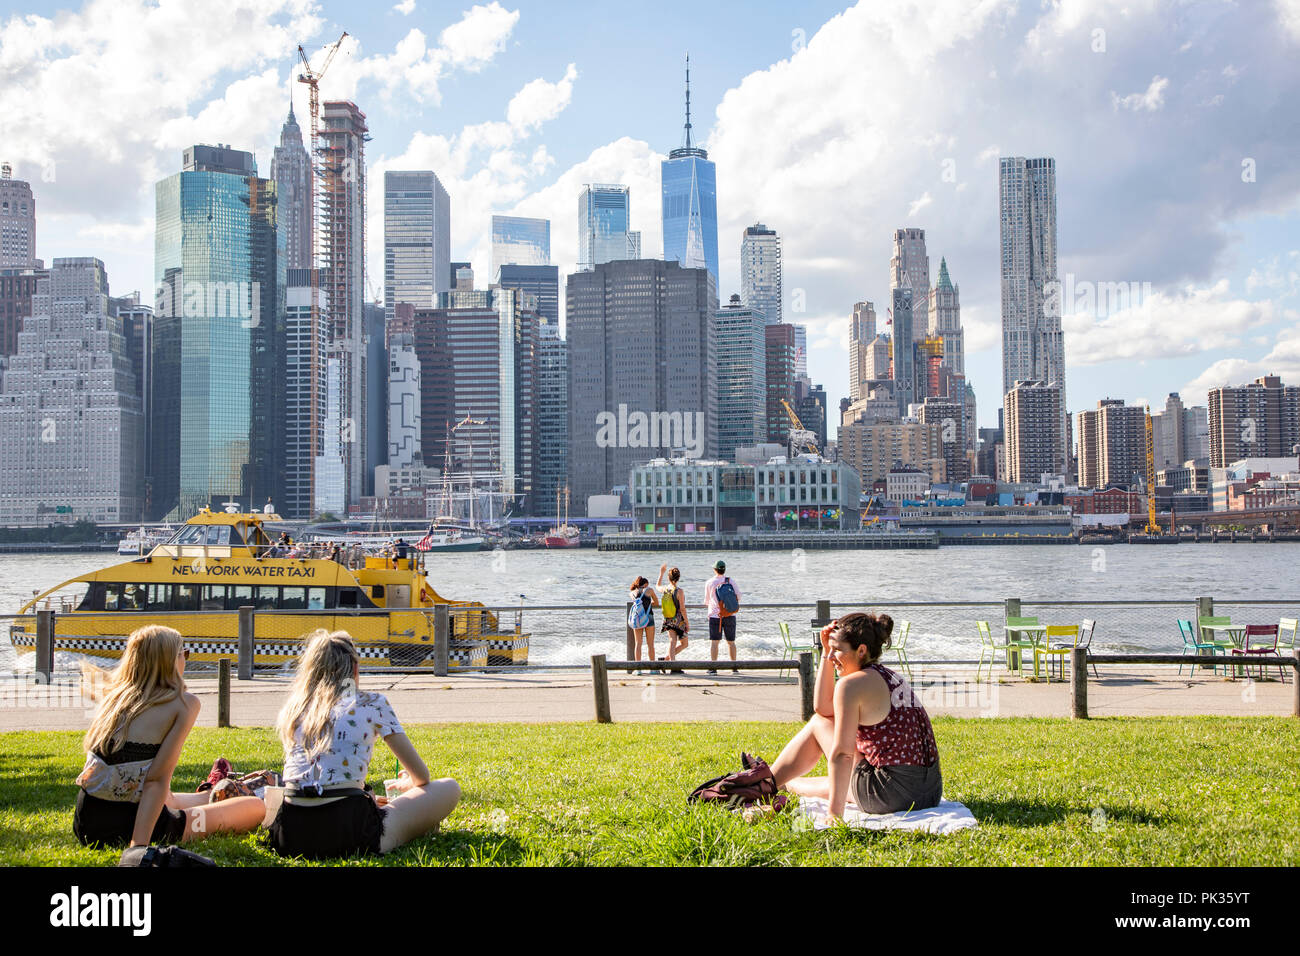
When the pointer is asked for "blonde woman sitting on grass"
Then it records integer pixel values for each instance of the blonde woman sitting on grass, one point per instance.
(329, 728)
(132, 748)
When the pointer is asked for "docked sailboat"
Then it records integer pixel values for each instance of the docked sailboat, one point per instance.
(563, 535)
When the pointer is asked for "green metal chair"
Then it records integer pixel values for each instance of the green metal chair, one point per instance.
(899, 646)
(1286, 634)
(1057, 649)
(792, 651)
(990, 647)
(1021, 642)
(1204, 638)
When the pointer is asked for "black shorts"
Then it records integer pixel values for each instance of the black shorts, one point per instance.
(722, 626)
(891, 789)
(97, 822)
(351, 826)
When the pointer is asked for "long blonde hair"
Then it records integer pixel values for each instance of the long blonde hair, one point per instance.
(145, 677)
(325, 676)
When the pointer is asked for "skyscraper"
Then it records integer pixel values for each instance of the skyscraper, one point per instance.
(404, 431)
(779, 347)
(910, 267)
(690, 201)
(219, 340)
(760, 271)
(17, 222)
(904, 357)
(604, 221)
(862, 330)
(1259, 420)
(1036, 443)
(291, 170)
(417, 239)
(70, 420)
(945, 320)
(17, 287)
(343, 135)
(524, 242)
(1112, 445)
(552, 416)
(1032, 343)
(642, 343)
(304, 392)
(541, 283)
(742, 377)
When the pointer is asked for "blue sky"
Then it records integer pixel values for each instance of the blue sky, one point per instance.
(832, 124)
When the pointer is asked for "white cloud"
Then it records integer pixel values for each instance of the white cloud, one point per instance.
(1288, 15)
(479, 36)
(1283, 360)
(1149, 101)
(919, 204)
(540, 101)
(1165, 325)
(405, 8)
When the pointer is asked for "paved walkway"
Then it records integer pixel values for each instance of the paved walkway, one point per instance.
(567, 696)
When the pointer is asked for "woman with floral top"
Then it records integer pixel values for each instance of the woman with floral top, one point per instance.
(329, 728)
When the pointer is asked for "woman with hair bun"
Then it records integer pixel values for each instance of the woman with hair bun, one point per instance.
(872, 729)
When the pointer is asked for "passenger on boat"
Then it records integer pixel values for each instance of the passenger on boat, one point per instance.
(873, 730)
(329, 728)
(132, 748)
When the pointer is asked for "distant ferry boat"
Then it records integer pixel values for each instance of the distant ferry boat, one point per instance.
(142, 541)
(218, 562)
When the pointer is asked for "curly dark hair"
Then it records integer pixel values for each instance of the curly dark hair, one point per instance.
(873, 630)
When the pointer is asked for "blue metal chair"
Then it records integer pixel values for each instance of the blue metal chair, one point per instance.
(1193, 646)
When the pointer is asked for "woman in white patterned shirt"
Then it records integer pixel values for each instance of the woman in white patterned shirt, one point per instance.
(329, 728)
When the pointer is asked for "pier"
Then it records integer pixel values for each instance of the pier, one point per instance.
(769, 541)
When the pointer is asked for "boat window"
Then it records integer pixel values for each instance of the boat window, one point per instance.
(190, 534)
(112, 597)
(160, 597)
(294, 599)
(133, 598)
(186, 597)
(315, 599)
(265, 598)
(377, 591)
(94, 599)
(214, 598)
(219, 534)
(241, 595)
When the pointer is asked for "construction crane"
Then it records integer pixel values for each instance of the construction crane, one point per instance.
(799, 436)
(1152, 527)
(312, 79)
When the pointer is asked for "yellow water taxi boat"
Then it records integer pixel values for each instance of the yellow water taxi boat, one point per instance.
(219, 562)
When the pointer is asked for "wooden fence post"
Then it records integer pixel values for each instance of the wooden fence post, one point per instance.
(246, 642)
(631, 638)
(1079, 683)
(806, 683)
(1295, 683)
(441, 640)
(223, 692)
(600, 686)
(44, 645)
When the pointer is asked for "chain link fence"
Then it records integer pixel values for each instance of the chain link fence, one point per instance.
(511, 637)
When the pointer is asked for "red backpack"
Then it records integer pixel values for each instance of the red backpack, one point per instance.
(752, 784)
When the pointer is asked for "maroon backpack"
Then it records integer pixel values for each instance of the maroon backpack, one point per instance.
(752, 784)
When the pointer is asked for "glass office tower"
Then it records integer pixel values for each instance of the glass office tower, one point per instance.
(604, 215)
(524, 242)
(690, 202)
(219, 342)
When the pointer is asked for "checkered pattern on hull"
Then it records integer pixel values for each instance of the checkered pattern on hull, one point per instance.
(267, 654)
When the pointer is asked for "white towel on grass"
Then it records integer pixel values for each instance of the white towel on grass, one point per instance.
(948, 817)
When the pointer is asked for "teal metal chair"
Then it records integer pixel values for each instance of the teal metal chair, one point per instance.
(1193, 646)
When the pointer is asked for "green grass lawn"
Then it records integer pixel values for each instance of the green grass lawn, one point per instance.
(1171, 791)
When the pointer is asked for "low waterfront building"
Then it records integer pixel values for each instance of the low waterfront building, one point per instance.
(904, 483)
(705, 496)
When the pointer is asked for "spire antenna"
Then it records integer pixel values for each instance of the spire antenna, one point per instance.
(688, 101)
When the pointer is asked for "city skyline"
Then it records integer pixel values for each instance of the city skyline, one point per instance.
(1216, 272)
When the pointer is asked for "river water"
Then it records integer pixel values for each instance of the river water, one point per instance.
(1037, 574)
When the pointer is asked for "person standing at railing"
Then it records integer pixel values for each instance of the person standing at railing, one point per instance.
(641, 617)
(723, 599)
(673, 599)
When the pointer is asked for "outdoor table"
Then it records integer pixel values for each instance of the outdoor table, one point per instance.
(1036, 631)
(1237, 634)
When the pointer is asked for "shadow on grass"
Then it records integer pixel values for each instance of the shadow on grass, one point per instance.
(460, 848)
(1037, 813)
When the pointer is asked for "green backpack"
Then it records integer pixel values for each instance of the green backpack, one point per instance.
(669, 604)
